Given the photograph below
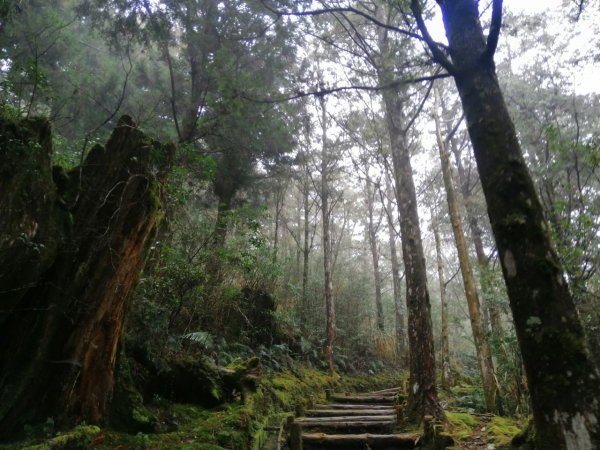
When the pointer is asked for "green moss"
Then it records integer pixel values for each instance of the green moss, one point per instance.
(80, 437)
(236, 426)
(525, 439)
(462, 425)
(502, 430)
(128, 412)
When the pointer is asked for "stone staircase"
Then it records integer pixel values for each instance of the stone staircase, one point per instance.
(353, 422)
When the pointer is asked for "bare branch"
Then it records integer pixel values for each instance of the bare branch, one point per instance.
(495, 26)
(318, 12)
(438, 55)
(420, 108)
(333, 90)
(580, 4)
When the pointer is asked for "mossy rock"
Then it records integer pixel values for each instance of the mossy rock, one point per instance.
(191, 380)
(462, 425)
(128, 412)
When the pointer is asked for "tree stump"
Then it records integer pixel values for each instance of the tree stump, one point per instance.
(63, 299)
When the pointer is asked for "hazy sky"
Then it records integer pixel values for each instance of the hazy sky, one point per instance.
(585, 76)
(531, 6)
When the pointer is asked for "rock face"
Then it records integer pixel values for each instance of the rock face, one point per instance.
(72, 246)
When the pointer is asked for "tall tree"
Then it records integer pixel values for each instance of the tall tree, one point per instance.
(422, 398)
(326, 208)
(373, 224)
(218, 56)
(562, 378)
(445, 342)
(482, 344)
(396, 279)
(492, 309)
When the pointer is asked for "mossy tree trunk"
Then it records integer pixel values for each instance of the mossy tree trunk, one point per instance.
(422, 397)
(562, 378)
(61, 332)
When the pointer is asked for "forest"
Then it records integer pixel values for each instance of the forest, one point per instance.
(276, 224)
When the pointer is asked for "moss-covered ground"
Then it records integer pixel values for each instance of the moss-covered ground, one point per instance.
(237, 425)
(481, 431)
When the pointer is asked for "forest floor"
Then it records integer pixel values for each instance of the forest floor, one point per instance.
(482, 431)
(232, 426)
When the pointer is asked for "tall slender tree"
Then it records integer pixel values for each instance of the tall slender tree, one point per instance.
(422, 391)
(444, 339)
(325, 195)
(482, 344)
(396, 279)
(562, 377)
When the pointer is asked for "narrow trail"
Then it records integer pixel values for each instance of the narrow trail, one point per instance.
(353, 422)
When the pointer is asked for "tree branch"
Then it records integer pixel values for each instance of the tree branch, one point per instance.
(318, 12)
(420, 108)
(495, 26)
(438, 55)
(333, 90)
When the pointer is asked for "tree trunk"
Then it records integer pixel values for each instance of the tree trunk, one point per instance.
(445, 347)
(305, 256)
(491, 308)
(372, 233)
(482, 344)
(422, 399)
(562, 378)
(397, 283)
(280, 193)
(199, 46)
(327, 248)
(60, 338)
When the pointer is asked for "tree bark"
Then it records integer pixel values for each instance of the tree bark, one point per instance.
(445, 346)
(305, 254)
(327, 247)
(372, 233)
(491, 308)
(562, 378)
(396, 283)
(61, 337)
(482, 344)
(422, 399)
